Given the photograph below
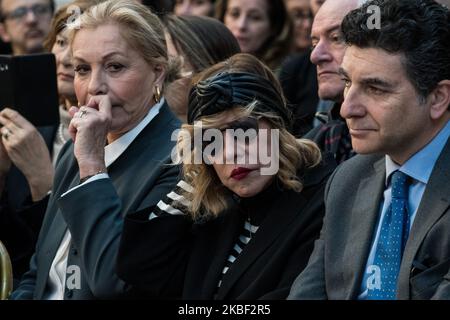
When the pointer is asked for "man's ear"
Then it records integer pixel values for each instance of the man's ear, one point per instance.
(440, 99)
(3, 34)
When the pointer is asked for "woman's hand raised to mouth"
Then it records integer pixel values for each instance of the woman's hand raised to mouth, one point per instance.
(89, 129)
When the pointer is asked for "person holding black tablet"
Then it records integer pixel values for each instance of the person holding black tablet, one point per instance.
(28, 154)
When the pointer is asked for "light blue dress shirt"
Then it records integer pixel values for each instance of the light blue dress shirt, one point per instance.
(419, 168)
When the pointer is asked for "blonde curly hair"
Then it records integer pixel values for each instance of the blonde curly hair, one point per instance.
(209, 196)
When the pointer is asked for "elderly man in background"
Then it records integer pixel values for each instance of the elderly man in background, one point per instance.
(328, 50)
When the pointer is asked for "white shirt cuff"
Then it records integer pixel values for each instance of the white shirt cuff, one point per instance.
(91, 179)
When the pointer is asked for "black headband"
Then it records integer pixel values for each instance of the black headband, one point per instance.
(228, 89)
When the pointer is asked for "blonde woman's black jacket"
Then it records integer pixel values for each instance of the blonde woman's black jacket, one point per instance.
(169, 257)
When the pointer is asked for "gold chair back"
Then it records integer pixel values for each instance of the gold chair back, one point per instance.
(6, 276)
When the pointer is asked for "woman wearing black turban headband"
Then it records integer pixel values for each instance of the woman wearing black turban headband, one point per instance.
(232, 229)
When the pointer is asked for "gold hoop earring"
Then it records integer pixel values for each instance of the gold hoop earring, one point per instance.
(157, 95)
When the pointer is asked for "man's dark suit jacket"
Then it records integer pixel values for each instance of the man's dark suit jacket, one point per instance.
(167, 257)
(93, 213)
(20, 218)
(352, 199)
(298, 77)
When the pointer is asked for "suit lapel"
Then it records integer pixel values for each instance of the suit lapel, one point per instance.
(362, 227)
(435, 201)
(49, 249)
(270, 229)
(53, 238)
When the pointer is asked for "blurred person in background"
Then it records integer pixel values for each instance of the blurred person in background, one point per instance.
(25, 24)
(301, 15)
(199, 42)
(262, 28)
(315, 5)
(298, 75)
(159, 7)
(194, 7)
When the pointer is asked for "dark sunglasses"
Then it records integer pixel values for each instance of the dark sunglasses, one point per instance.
(244, 124)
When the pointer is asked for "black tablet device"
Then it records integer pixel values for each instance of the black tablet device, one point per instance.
(28, 85)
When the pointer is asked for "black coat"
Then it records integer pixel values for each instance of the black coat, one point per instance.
(168, 257)
(298, 77)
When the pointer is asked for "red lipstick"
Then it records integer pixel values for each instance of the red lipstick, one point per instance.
(240, 173)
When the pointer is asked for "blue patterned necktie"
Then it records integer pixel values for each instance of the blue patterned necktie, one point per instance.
(392, 239)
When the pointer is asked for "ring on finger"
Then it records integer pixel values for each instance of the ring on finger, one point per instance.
(6, 133)
(83, 112)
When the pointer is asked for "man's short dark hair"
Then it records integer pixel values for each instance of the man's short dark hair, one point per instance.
(418, 29)
(52, 7)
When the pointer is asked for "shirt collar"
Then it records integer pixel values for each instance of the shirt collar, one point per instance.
(117, 147)
(421, 164)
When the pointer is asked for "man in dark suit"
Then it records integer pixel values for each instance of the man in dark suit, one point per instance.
(387, 224)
